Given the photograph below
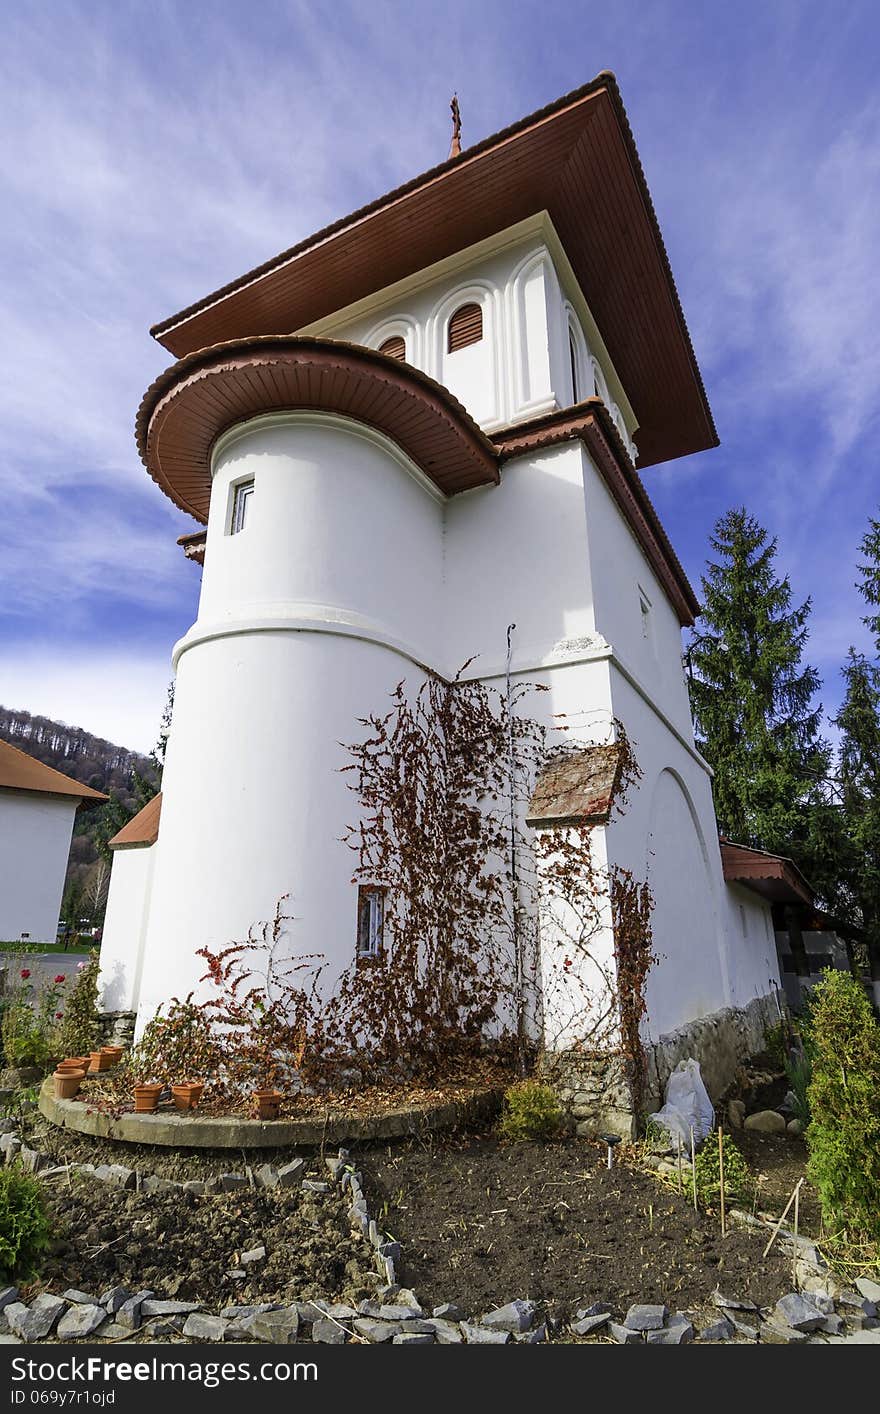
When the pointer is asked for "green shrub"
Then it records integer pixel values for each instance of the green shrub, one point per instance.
(738, 1180)
(799, 1070)
(843, 1137)
(25, 1228)
(531, 1111)
(776, 1043)
(30, 1020)
(80, 1029)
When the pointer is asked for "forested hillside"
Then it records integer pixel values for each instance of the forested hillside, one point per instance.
(129, 778)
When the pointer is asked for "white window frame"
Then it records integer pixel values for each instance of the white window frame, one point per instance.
(371, 939)
(242, 495)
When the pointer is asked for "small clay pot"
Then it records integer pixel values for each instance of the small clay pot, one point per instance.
(73, 1063)
(66, 1083)
(98, 1061)
(114, 1053)
(187, 1094)
(268, 1103)
(146, 1097)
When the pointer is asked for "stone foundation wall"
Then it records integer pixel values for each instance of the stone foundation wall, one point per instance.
(720, 1042)
(117, 1028)
(594, 1090)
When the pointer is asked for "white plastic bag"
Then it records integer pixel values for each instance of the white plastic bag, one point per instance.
(687, 1105)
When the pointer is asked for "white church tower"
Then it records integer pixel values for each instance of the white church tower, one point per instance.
(403, 435)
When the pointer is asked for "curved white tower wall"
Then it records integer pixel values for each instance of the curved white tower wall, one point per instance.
(308, 618)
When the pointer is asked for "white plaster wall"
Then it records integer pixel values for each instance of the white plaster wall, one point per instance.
(340, 528)
(521, 367)
(518, 553)
(35, 832)
(575, 965)
(549, 551)
(125, 927)
(753, 962)
(253, 800)
(304, 619)
(648, 645)
(669, 834)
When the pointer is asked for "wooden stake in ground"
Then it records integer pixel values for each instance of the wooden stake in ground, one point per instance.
(721, 1175)
(680, 1183)
(694, 1168)
(797, 1189)
(794, 1260)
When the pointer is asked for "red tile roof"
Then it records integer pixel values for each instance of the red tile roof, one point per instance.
(576, 787)
(18, 771)
(141, 829)
(773, 876)
(575, 159)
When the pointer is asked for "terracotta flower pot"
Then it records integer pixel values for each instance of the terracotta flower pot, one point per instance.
(114, 1053)
(66, 1083)
(73, 1063)
(146, 1097)
(98, 1061)
(268, 1103)
(187, 1094)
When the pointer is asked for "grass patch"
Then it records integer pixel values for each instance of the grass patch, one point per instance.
(80, 950)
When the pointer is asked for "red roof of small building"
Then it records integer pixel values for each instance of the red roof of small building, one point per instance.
(142, 829)
(773, 876)
(18, 771)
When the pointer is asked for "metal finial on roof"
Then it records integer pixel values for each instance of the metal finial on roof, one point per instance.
(455, 145)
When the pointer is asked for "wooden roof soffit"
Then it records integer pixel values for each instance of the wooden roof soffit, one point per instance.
(195, 400)
(575, 159)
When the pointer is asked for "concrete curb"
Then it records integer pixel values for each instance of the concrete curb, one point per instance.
(182, 1131)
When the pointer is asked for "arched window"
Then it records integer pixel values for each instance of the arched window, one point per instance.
(395, 347)
(465, 327)
(573, 361)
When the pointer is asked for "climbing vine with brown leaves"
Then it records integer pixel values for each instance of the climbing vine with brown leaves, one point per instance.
(433, 783)
(491, 930)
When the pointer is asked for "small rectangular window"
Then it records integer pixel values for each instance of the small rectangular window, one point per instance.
(241, 500)
(371, 920)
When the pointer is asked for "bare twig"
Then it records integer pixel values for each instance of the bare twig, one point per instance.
(773, 1235)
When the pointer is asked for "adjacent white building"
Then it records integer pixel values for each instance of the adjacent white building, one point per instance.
(37, 809)
(403, 436)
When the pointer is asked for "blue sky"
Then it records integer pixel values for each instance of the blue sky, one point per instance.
(153, 151)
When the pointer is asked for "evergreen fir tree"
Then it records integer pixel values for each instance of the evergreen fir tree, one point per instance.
(859, 771)
(869, 586)
(859, 784)
(752, 696)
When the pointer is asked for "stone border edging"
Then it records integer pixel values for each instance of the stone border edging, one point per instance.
(232, 1132)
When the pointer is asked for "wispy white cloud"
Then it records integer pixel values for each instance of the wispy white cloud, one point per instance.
(153, 152)
(118, 696)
